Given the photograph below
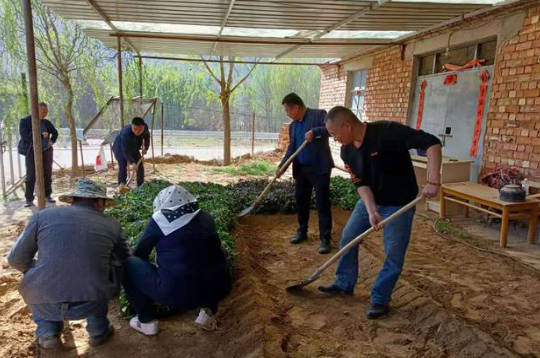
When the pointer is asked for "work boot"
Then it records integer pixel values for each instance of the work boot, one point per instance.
(377, 310)
(299, 237)
(335, 289)
(50, 200)
(29, 203)
(49, 342)
(325, 246)
(102, 338)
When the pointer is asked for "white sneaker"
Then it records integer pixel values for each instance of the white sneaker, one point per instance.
(206, 320)
(148, 329)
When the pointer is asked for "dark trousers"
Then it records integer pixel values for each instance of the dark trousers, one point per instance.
(306, 180)
(123, 168)
(31, 173)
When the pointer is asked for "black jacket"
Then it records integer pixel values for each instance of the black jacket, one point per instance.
(127, 144)
(25, 130)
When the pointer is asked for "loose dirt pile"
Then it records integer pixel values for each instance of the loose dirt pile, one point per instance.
(451, 301)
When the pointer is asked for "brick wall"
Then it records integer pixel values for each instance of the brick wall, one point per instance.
(387, 87)
(333, 87)
(513, 126)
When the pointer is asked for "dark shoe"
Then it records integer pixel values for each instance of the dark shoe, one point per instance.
(299, 237)
(50, 200)
(325, 247)
(335, 289)
(377, 310)
(99, 340)
(29, 203)
(49, 342)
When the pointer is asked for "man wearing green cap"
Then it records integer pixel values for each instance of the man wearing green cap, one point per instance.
(77, 270)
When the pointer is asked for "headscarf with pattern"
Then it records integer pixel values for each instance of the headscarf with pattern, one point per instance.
(174, 208)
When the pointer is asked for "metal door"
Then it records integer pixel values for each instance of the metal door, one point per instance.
(450, 112)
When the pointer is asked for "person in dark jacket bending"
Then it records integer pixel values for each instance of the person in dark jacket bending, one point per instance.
(126, 148)
(49, 135)
(191, 272)
(311, 168)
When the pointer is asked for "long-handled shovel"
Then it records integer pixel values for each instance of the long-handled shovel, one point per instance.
(267, 188)
(358, 240)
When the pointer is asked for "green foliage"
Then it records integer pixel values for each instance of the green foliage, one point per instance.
(343, 193)
(260, 168)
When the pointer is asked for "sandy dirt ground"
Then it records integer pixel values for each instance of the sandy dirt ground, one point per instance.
(452, 301)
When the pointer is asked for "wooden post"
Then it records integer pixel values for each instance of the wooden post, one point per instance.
(253, 135)
(32, 74)
(152, 133)
(82, 160)
(2, 172)
(503, 236)
(442, 209)
(162, 122)
(140, 77)
(11, 167)
(120, 79)
(25, 96)
(531, 236)
(112, 156)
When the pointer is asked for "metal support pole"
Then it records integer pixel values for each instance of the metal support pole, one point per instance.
(162, 129)
(32, 74)
(140, 77)
(253, 134)
(152, 133)
(120, 80)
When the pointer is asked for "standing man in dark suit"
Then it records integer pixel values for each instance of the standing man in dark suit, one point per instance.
(311, 168)
(49, 135)
(126, 148)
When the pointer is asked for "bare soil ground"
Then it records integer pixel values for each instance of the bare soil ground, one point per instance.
(452, 301)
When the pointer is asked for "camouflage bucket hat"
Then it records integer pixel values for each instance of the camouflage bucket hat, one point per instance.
(87, 188)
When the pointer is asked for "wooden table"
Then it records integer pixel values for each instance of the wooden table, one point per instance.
(486, 199)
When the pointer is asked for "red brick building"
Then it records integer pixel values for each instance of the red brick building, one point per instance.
(386, 84)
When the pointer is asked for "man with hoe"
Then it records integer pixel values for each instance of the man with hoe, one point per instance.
(377, 156)
(127, 146)
(311, 168)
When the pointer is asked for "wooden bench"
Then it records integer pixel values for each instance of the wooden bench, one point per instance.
(486, 199)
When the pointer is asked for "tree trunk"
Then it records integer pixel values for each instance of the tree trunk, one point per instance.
(226, 128)
(72, 130)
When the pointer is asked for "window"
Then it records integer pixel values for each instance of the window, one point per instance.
(433, 63)
(357, 93)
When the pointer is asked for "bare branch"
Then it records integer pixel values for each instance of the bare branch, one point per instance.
(244, 78)
(222, 82)
(210, 70)
(230, 77)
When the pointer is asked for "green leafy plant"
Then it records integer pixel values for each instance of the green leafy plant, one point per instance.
(261, 168)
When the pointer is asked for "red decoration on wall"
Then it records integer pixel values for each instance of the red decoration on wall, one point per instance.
(421, 104)
(450, 80)
(484, 76)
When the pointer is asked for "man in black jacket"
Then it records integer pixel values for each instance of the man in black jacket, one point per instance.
(49, 135)
(126, 148)
(311, 168)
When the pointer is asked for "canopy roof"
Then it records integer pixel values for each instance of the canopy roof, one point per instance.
(259, 28)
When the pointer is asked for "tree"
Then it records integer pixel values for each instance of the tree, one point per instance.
(226, 89)
(63, 52)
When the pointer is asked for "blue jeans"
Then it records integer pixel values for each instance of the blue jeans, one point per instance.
(50, 317)
(396, 240)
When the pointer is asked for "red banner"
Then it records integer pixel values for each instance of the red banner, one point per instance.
(421, 104)
(484, 76)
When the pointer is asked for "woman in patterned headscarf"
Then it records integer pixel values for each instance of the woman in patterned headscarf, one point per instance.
(191, 271)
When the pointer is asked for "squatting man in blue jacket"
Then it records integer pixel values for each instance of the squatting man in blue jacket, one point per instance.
(131, 139)
(311, 167)
(377, 156)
